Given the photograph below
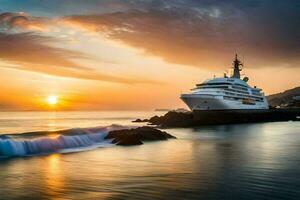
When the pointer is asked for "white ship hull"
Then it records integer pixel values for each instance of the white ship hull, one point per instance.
(210, 102)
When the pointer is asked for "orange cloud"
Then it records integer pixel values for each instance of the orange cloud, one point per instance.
(25, 21)
(192, 37)
(34, 52)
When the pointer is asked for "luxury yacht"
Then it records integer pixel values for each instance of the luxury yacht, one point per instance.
(226, 93)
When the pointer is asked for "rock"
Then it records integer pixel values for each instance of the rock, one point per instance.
(173, 119)
(155, 120)
(218, 117)
(137, 136)
(137, 120)
(140, 120)
(127, 141)
(285, 99)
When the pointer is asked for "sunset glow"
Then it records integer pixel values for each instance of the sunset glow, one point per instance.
(138, 55)
(52, 100)
(149, 99)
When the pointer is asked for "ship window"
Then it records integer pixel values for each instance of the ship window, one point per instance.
(256, 92)
(229, 98)
(207, 87)
(240, 85)
(240, 88)
(239, 91)
(208, 84)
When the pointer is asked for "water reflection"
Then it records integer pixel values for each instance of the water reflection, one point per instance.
(54, 180)
(254, 161)
(20, 122)
(52, 123)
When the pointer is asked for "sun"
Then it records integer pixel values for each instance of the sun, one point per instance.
(52, 100)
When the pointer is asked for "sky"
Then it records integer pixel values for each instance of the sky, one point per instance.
(140, 54)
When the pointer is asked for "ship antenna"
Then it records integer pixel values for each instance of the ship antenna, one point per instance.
(243, 60)
(236, 67)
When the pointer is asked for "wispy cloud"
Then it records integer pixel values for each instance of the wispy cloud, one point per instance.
(195, 33)
(207, 33)
(37, 52)
(30, 48)
(22, 20)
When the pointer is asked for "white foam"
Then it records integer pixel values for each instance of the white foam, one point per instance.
(85, 140)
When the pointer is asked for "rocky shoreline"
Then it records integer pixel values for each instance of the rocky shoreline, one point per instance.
(190, 119)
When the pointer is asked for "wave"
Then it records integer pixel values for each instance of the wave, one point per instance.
(63, 141)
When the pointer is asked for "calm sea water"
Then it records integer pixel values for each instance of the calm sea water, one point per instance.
(244, 161)
(20, 122)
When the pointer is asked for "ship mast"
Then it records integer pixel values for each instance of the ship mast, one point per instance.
(237, 68)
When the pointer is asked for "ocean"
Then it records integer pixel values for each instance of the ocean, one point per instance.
(241, 161)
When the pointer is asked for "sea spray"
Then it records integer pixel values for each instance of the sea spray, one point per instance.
(63, 141)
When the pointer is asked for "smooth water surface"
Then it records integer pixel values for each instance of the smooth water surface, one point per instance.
(245, 161)
(20, 122)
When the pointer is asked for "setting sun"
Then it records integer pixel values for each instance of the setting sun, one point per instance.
(52, 100)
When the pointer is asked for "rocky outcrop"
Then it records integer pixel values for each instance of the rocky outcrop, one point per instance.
(210, 117)
(284, 99)
(137, 136)
(174, 119)
(140, 120)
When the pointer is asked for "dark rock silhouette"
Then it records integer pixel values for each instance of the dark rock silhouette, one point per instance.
(174, 119)
(210, 117)
(127, 140)
(136, 136)
(285, 98)
(140, 120)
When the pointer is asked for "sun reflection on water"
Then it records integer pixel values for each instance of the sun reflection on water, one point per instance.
(52, 121)
(54, 176)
